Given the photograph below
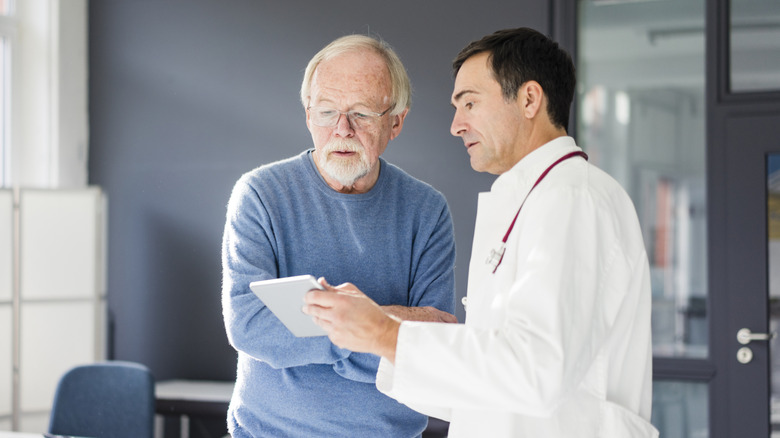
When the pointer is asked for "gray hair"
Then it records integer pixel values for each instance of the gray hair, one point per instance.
(401, 89)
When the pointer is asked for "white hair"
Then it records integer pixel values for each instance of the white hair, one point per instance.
(401, 89)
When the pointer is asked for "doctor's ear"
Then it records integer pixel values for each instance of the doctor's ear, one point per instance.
(530, 97)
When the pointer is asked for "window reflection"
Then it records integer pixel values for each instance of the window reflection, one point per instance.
(641, 118)
(680, 409)
(755, 45)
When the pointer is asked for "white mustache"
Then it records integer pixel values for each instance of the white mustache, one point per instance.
(342, 145)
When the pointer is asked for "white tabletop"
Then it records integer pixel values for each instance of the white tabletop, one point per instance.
(7, 434)
(193, 390)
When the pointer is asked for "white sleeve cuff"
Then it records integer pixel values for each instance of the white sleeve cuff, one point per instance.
(384, 377)
(386, 384)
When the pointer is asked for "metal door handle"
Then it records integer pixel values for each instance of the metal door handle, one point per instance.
(745, 336)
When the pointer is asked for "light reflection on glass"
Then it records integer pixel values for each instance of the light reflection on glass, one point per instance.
(641, 118)
(755, 45)
(6, 7)
(680, 409)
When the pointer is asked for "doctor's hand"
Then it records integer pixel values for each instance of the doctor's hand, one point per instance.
(352, 320)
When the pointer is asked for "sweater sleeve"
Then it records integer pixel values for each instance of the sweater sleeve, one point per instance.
(433, 276)
(249, 254)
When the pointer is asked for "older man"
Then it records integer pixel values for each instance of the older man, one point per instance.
(557, 336)
(340, 211)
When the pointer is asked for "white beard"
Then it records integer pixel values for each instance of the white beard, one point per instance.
(344, 170)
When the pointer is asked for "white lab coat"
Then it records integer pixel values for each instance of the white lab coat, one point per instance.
(557, 342)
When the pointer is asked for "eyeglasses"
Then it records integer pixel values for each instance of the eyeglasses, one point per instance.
(328, 117)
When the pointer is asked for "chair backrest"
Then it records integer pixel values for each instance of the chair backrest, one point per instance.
(105, 400)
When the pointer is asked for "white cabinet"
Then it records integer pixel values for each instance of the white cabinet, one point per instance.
(52, 296)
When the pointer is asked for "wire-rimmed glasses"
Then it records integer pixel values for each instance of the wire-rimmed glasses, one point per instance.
(358, 119)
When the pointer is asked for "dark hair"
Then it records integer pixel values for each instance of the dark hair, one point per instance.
(521, 55)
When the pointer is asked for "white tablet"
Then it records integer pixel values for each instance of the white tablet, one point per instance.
(284, 296)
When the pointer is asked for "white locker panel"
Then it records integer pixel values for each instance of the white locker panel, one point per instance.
(6, 360)
(6, 245)
(54, 338)
(56, 241)
(59, 243)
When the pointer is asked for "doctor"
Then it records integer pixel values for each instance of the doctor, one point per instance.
(557, 336)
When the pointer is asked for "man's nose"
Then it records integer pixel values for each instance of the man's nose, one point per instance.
(343, 126)
(458, 127)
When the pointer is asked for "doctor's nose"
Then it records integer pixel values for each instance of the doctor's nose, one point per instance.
(458, 127)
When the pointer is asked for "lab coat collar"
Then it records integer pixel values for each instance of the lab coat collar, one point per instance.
(525, 173)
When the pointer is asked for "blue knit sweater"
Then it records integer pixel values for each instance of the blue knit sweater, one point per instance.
(395, 243)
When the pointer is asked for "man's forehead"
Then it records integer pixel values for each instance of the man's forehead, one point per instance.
(466, 83)
(354, 66)
(351, 74)
(349, 96)
(474, 76)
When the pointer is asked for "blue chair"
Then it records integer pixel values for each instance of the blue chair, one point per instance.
(106, 400)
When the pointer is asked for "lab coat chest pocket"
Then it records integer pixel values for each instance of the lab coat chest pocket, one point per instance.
(489, 310)
(501, 283)
(487, 291)
(480, 295)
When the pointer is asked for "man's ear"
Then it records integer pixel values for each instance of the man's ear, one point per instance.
(531, 97)
(397, 123)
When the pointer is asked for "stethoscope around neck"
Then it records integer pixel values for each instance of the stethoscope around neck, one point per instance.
(497, 255)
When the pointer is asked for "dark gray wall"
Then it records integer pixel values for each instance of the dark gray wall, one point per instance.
(187, 95)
